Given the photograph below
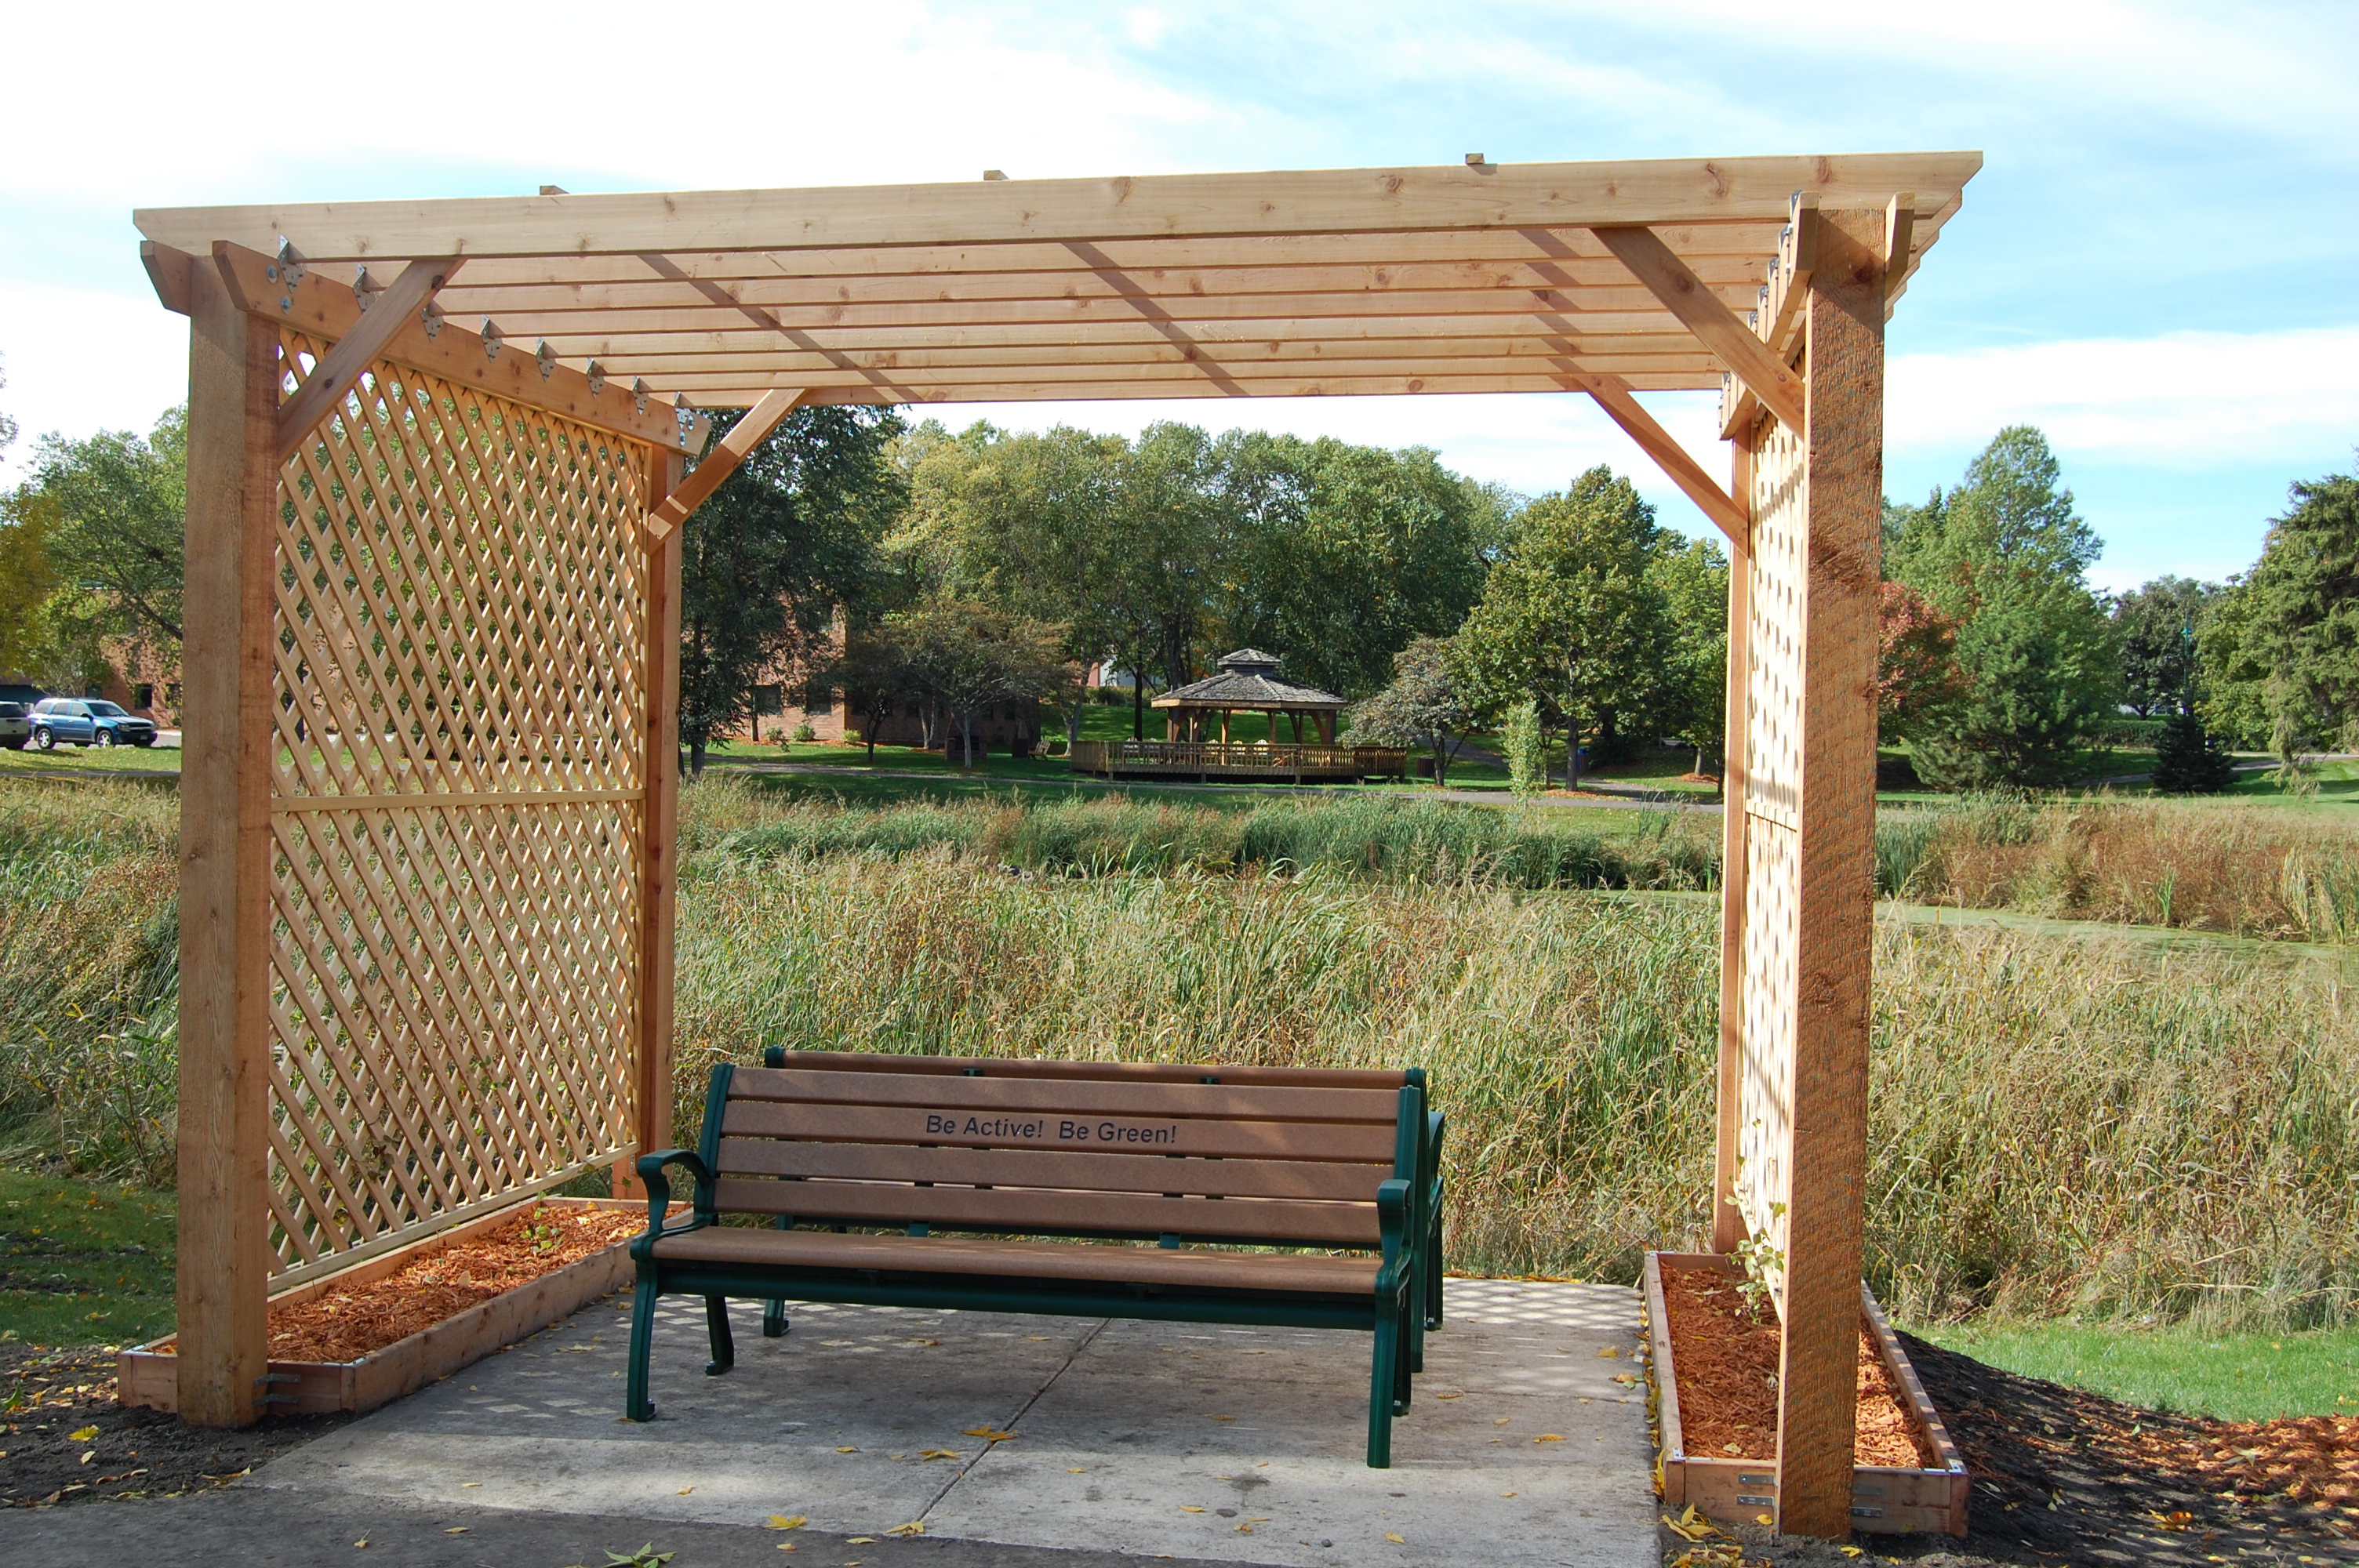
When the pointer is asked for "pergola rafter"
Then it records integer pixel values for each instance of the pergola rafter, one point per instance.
(430, 803)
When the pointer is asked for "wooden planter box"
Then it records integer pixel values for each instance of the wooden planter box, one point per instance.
(147, 1375)
(1884, 1499)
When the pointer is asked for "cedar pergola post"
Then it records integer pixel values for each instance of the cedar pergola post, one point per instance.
(224, 1085)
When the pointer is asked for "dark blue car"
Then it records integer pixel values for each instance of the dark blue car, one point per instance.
(86, 721)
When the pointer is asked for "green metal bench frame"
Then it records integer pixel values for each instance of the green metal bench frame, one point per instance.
(1404, 1304)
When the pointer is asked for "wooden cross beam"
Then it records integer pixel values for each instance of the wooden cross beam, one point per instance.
(341, 370)
(1612, 395)
(1717, 327)
(720, 462)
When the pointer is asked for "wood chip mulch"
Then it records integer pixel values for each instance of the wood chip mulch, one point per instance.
(1725, 1354)
(346, 1324)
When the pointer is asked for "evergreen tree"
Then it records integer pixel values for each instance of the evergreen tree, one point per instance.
(2188, 760)
(2280, 649)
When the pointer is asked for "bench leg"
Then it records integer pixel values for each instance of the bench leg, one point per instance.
(774, 1318)
(716, 1324)
(1402, 1365)
(1383, 1378)
(1433, 1273)
(1415, 1314)
(636, 1404)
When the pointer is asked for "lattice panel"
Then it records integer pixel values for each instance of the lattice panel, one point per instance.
(1775, 695)
(1765, 1137)
(457, 809)
(1778, 602)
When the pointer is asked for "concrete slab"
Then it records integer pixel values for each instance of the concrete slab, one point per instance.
(1223, 1444)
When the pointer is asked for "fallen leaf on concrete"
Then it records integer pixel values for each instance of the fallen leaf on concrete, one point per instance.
(685, 1490)
(986, 1433)
(1075, 1470)
(915, 1527)
(1225, 1418)
(859, 1541)
(361, 1542)
(847, 1449)
(939, 1453)
(788, 1522)
(456, 1529)
(1395, 1540)
(1607, 1353)
(1506, 1493)
(468, 1485)
(1190, 1508)
(1501, 1421)
(1548, 1437)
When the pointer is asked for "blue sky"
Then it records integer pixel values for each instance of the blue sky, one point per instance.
(2155, 264)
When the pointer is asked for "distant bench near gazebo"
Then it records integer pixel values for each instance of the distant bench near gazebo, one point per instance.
(1249, 682)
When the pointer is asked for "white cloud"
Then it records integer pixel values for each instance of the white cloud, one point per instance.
(2190, 401)
(79, 360)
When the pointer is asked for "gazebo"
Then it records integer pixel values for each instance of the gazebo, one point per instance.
(438, 465)
(1247, 681)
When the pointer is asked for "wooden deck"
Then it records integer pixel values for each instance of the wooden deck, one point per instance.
(1237, 760)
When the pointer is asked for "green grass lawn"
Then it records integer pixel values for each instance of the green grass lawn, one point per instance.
(80, 759)
(2238, 1377)
(83, 1262)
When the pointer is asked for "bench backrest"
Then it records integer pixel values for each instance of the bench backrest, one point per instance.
(1015, 1149)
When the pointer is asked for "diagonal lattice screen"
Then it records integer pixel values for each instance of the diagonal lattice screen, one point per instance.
(456, 804)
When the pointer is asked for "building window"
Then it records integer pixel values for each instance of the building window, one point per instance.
(818, 698)
(145, 697)
(766, 700)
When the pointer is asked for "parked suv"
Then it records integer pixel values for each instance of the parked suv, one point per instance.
(14, 728)
(86, 723)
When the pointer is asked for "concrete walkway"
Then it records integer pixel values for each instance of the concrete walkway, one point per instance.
(1134, 1440)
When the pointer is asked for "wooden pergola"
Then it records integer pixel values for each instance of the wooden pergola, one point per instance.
(437, 470)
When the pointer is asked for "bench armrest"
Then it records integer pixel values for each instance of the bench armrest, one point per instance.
(1394, 1206)
(651, 1174)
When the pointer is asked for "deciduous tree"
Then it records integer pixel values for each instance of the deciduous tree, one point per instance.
(1420, 706)
(783, 541)
(2005, 557)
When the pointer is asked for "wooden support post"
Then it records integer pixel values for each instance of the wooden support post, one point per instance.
(651, 1096)
(1832, 931)
(225, 850)
(684, 498)
(1727, 1220)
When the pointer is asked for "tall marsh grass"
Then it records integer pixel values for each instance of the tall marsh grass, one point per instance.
(89, 985)
(2057, 1125)
(1393, 840)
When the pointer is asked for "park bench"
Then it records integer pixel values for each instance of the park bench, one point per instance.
(857, 1163)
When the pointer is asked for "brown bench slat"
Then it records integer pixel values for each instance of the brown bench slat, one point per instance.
(1029, 1168)
(1363, 1142)
(1307, 1273)
(1074, 1096)
(1112, 1072)
(1037, 1208)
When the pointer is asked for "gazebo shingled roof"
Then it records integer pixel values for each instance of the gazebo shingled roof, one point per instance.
(1249, 680)
(507, 385)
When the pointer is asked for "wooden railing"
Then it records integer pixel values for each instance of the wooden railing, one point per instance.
(1237, 758)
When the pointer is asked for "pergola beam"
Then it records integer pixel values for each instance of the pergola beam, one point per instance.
(718, 464)
(320, 307)
(1612, 395)
(341, 368)
(1715, 326)
(1449, 196)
